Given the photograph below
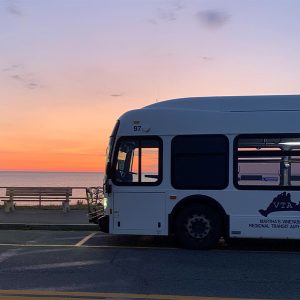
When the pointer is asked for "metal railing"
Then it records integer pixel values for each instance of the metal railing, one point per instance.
(78, 195)
(94, 196)
(90, 197)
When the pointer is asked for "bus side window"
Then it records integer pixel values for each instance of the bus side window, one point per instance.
(267, 160)
(200, 161)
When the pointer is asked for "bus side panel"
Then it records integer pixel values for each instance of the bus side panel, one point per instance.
(265, 214)
(277, 226)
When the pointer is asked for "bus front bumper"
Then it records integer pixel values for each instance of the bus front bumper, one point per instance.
(104, 223)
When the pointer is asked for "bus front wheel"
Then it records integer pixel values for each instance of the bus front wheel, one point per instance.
(198, 226)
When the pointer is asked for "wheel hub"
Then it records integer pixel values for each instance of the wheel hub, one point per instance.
(198, 226)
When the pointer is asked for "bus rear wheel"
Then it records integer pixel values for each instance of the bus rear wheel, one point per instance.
(198, 226)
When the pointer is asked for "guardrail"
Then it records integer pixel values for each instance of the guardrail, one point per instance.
(67, 196)
(92, 197)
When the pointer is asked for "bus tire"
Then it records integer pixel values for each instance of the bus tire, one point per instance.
(198, 226)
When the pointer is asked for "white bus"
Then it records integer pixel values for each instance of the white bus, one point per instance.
(205, 168)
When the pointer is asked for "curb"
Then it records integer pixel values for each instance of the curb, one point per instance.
(66, 227)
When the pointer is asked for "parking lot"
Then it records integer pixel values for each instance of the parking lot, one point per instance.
(96, 239)
(93, 265)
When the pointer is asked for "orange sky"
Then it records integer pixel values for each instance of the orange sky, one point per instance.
(64, 83)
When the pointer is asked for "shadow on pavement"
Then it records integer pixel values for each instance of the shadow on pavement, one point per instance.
(261, 245)
(170, 242)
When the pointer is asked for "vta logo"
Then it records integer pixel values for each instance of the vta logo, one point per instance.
(282, 202)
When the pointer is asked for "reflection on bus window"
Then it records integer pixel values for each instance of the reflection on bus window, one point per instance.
(268, 161)
(138, 161)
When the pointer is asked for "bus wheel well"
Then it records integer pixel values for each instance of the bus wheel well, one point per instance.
(212, 203)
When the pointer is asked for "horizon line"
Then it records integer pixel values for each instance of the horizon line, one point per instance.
(54, 171)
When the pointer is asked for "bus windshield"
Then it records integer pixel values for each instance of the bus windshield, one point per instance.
(109, 149)
(137, 161)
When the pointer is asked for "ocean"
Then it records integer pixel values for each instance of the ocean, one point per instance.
(51, 179)
(72, 179)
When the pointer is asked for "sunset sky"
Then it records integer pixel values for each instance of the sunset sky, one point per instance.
(69, 68)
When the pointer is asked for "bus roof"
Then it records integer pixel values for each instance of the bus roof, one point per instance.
(233, 103)
(211, 115)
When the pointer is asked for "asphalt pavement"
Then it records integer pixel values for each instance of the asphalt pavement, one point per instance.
(66, 259)
(84, 265)
(50, 219)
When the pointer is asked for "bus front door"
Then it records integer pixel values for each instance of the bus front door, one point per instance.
(138, 198)
(138, 212)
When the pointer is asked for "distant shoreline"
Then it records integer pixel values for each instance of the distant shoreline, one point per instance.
(94, 172)
(44, 179)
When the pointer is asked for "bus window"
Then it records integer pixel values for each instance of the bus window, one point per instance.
(200, 162)
(264, 161)
(138, 161)
(109, 150)
(149, 164)
(124, 163)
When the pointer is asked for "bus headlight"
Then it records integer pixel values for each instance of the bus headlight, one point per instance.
(105, 200)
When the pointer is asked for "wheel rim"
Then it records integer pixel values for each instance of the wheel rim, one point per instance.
(198, 226)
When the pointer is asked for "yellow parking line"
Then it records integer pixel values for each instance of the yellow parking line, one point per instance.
(36, 245)
(51, 295)
(25, 297)
(119, 296)
(85, 239)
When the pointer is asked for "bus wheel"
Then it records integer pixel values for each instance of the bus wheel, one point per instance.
(198, 226)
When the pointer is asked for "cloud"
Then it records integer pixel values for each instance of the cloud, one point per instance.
(11, 68)
(207, 58)
(213, 19)
(167, 14)
(16, 77)
(13, 8)
(117, 95)
(17, 73)
(32, 85)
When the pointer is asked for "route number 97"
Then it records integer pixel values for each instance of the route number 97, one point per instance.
(137, 128)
